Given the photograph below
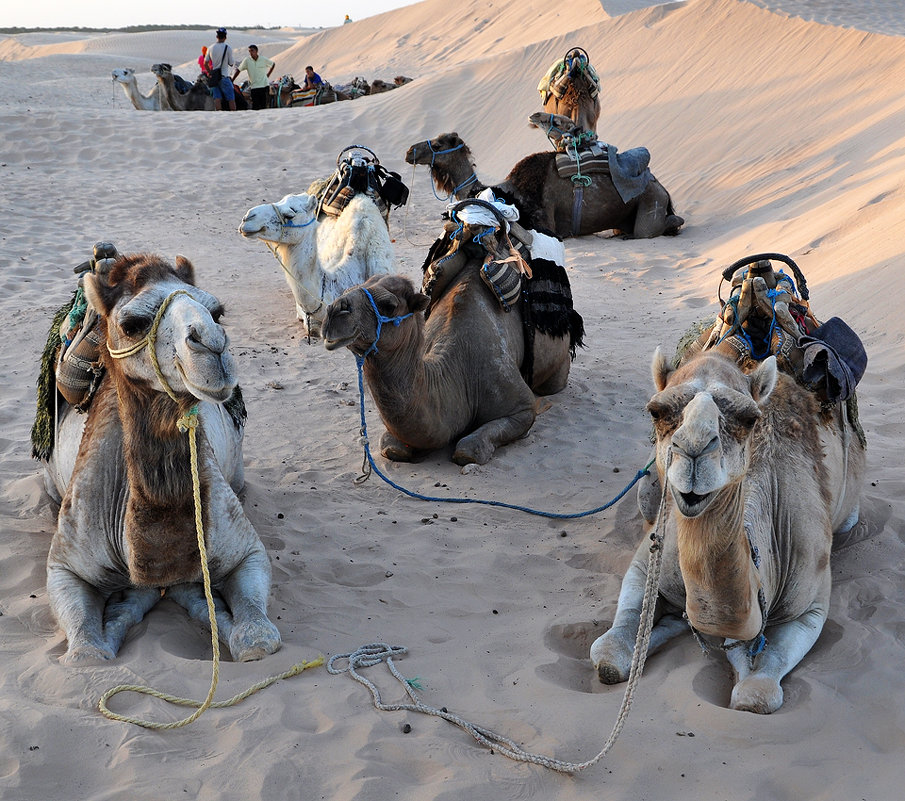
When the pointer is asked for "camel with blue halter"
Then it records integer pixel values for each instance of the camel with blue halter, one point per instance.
(127, 478)
(465, 374)
(546, 200)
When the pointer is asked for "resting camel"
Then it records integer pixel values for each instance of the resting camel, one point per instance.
(574, 93)
(544, 199)
(152, 101)
(321, 258)
(126, 529)
(756, 473)
(454, 377)
(198, 98)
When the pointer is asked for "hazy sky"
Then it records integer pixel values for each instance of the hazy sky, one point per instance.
(236, 13)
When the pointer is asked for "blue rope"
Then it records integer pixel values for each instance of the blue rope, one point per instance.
(372, 465)
(434, 154)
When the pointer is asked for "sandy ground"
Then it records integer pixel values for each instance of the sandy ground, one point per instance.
(772, 133)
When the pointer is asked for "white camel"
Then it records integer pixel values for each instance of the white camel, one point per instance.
(126, 531)
(321, 258)
(152, 101)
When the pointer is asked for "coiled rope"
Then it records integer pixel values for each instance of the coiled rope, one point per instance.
(187, 423)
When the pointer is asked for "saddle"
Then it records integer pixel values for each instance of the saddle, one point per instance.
(359, 171)
(766, 314)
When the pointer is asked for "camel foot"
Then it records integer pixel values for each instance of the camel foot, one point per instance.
(252, 642)
(394, 449)
(673, 223)
(472, 451)
(757, 694)
(86, 655)
(611, 658)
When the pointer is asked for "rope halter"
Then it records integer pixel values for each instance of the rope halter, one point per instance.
(434, 154)
(287, 222)
(150, 341)
(381, 319)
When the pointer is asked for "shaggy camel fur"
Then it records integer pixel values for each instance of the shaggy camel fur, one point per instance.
(573, 97)
(126, 528)
(152, 101)
(321, 258)
(454, 378)
(756, 472)
(198, 98)
(544, 199)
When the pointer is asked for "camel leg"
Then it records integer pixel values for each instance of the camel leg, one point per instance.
(480, 444)
(611, 653)
(758, 689)
(93, 635)
(190, 596)
(652, 217)
(245, 591)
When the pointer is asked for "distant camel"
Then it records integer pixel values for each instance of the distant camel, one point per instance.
(152, 101)
(571, 88)
(545, 199)
(198, 98)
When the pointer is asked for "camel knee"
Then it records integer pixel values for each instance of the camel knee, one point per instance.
(611, 655)
(254, 639)
(395, 449)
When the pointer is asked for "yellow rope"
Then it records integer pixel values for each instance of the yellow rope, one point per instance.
(189, 422)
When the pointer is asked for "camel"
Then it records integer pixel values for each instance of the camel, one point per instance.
(571, 88)
(759, 480)
(545, 200)
(454, 376)
(126, 528)
(198, 98)
(321, 258)
(152, 101)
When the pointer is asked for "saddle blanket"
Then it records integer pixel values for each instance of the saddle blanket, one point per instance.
(629, 170)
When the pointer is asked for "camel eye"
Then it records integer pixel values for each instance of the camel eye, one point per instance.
(133, 325)
(217, 313)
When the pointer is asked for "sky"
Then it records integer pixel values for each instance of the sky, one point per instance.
(235, 13)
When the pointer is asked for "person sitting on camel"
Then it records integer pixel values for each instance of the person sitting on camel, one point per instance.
(312, 79)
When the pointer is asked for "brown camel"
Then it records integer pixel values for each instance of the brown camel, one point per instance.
(198, 98)
(126, 531)
(758, 480)
(571, 88)
(544, 199)
(454, 377)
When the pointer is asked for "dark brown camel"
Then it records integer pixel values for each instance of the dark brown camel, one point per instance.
(544, 199)
(574, 93)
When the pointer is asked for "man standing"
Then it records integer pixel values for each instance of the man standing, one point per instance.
(220, 58)
(258, 70)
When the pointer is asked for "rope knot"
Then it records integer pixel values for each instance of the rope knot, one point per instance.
(188, 421)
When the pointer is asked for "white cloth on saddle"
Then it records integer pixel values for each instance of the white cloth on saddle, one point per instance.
(476, 215)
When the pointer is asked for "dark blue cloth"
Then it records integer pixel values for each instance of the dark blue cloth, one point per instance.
(629, 171)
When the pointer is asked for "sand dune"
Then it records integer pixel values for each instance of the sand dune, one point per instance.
(772, 133)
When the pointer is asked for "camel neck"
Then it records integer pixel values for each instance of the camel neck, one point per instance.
(721, 580)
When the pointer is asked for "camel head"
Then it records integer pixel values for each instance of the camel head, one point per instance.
(426, 152)
(164, 72)
(704, 414)
(555, 126)
(351, 320)
(289, 221)
(144, 302)
(124, 75)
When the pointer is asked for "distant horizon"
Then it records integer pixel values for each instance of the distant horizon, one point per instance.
(99, 14)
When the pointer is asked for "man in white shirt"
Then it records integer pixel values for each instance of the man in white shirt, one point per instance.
(258, 69)
(220, 57)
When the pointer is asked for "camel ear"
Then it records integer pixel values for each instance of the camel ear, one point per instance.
(185, 270)
(98, 292)
(763, 380)
(661, 369)
(311, 202)
(418, 302)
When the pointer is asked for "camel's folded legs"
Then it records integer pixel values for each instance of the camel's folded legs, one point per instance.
(611, 653)
(758, 688)
(480, 444)
(94, 629)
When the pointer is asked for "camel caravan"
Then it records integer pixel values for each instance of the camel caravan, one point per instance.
(759, 455)
(174, 93)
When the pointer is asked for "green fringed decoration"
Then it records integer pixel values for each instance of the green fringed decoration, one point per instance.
(42, 432)
(690, 337)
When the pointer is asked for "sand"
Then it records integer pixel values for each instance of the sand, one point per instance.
(772, 132)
